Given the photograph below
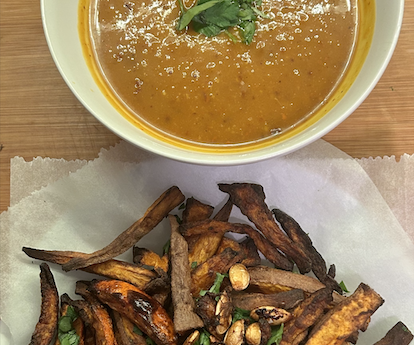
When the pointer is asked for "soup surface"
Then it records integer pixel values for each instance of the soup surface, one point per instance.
(215, 91)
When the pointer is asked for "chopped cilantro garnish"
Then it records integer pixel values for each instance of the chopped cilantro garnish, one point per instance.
(215, 288)
(204, 338)
(240, 314)
(343, 287)
(166, 247)
(69, 338)
(193, 264)
(67, 335)
(276, 335)
(211, 17)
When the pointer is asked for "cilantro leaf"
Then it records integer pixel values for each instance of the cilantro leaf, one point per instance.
(69, 338)
(343, 287)
(66, 334)
(204, 338)
(224, 14)
(276, 335)
(188, 16)
(240, 314)
(215, 288)
(247, 30)
(65, 324)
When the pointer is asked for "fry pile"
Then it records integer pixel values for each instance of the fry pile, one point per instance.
(207, 288)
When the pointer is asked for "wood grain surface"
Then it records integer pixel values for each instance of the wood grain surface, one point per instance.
(39, 116)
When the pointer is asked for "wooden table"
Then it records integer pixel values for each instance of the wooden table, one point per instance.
(39, 116)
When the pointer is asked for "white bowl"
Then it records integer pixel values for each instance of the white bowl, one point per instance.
(60, 21)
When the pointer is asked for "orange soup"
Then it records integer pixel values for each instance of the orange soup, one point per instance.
(211, 90)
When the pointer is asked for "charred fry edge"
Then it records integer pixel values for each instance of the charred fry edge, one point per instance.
(297, 235)
(399, 334)
(250, 199)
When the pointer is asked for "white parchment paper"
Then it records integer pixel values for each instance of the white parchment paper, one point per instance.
(330, 195)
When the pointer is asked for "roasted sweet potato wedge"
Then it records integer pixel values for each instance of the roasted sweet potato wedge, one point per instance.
(185, 318)
(271, 280)
(152, 217)
(250, 199)
(125, 331)
(113, 269)
(139, 307)
(263, 245)
(223, 214)
(399, 334)
(204, 248)
(46, 328)
(351, 315)
(205, 245)
(305, 315)
(303, 241)
(249, 301)
(196, 210)
(146, 257)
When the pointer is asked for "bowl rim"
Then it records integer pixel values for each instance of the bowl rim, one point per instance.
(311, 134)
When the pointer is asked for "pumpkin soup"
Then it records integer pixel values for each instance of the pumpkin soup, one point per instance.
(213, 90)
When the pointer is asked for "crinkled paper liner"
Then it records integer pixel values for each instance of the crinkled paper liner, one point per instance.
(338, 200)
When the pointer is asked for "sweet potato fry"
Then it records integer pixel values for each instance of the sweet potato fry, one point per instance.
(285, 300)
(139, 307)
(113, 269)
(351, 315)
(305, 315)
(250, 250)
(301, 238)
(263, 245)
(204, 248)
(223, 214)
(99, 318)
(204, 275)
(152, 217)
(250, 199)
(271, 280)
(124, 331)
(195, 211)
(205, 245)
(185, 318)
(102, 324)
(46, 328)
(146, 257)
(227, 242)
(399, 334)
